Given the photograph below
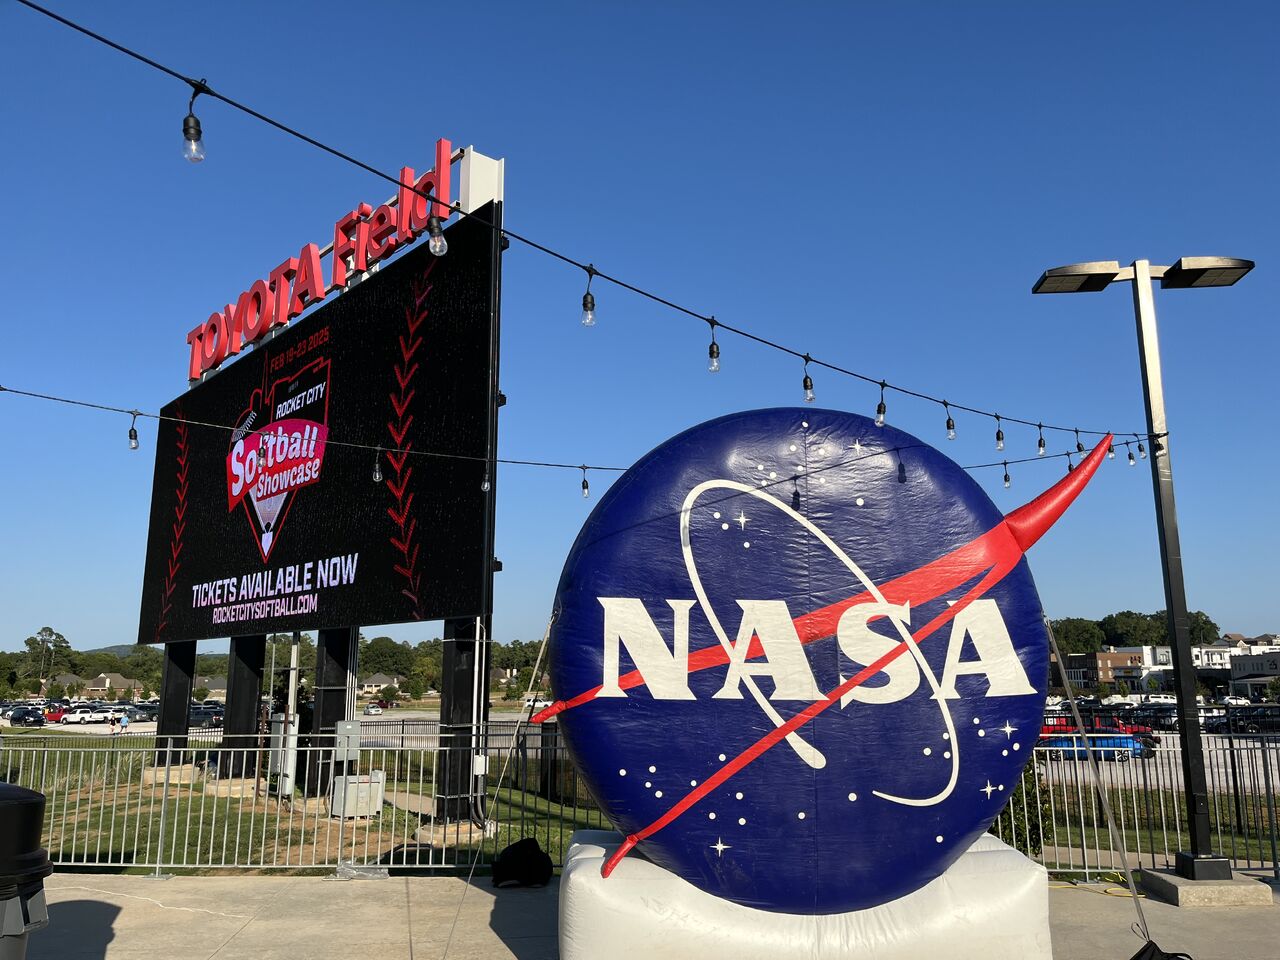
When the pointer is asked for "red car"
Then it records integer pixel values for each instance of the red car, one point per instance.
(54, 714)
(1056, 726)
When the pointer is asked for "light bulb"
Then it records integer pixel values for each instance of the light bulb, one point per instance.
(808, 389)
(713, 353)
(485, 485)
(1142, 452)
(999, 439)
(1007, 481)
(880, 411)
(1040, 447)
(588, 309)
(1111, 451)
(133, 438)
(438, 245)
(192, 139)
(951, 429)
(1132, 462)
(586, 488)
(377, 470)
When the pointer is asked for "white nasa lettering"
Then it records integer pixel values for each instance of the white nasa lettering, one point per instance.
(784, 659)
(997, 660)
(627, 623)
(666, 671)
(863, 645)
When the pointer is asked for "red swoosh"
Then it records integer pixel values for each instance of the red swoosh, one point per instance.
(997, 551)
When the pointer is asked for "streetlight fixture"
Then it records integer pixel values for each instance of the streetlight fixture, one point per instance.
(1198, 863)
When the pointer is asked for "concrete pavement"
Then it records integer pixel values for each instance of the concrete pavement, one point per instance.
(106, 917)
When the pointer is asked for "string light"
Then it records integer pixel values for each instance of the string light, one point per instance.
(589, 300)
(808, 382)
(713, 351)
(586, 487)
(999, 434)
(1070, 464)
(485, 485)
(1040, 442)
(133, 431)
(438, 245)
(1007, 481)
(880, 407)
(192, 135)
(201, 87)
(951, 424)
(1111, 451)
(1132, 462)
(332, 441)
(1079, 445)
(1142, 451)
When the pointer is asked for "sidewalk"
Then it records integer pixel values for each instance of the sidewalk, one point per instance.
(105, 917)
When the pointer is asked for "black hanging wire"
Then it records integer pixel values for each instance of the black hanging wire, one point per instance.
(592, 271)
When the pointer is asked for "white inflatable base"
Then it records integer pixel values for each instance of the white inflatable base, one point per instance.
(991, 904)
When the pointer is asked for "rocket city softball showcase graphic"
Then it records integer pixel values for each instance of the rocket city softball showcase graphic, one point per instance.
(265, 512)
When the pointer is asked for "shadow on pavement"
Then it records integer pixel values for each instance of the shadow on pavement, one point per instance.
(525, 920)
(78, 930)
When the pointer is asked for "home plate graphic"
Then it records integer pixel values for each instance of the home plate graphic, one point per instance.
(800, 660)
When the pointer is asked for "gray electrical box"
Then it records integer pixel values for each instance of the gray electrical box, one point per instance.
(358, 796)
(346, 741)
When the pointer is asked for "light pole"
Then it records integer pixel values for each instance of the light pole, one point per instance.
(1198, 863)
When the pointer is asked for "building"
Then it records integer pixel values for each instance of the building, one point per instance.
(217, 687)
(112, 686)
(68, 682)
(373, 685)
(1252, 673)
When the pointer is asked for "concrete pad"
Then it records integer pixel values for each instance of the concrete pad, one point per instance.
(1181, 892)
(1092, 921)
(273, 917)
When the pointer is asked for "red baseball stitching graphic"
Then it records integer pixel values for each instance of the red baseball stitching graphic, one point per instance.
(179, 524)
(406, 370)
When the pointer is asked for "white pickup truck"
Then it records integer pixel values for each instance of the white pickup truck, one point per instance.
(84, 715)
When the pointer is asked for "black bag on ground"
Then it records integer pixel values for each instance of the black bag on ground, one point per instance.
(523, 863)
(1150, 951)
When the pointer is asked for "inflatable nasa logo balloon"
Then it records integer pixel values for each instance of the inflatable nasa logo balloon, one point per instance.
(800, 659)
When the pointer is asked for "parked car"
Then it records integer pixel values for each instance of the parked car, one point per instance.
(1096, 724)
(387, 704)
(204, 717)
(1117, 746)
(83, 715)
(26, 717)
(372, 710)
(54, 714)
(1232, 701)
(1247, 720)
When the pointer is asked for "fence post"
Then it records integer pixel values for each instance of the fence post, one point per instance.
(1269, 787)
(164, 800)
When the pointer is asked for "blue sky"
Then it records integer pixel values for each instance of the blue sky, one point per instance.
(878, 184)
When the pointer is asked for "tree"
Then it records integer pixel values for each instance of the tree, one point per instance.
(384, 655)
(414, 688)
(1200, 628)
(1152, 683)
(1122, 688)
(56, 691)
(1273, 690)
(1077, 635)
(390, 692)
(46, 650)
(1129, 629)
(201, 693)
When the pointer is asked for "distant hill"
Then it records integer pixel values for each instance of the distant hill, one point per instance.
(119, 650)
